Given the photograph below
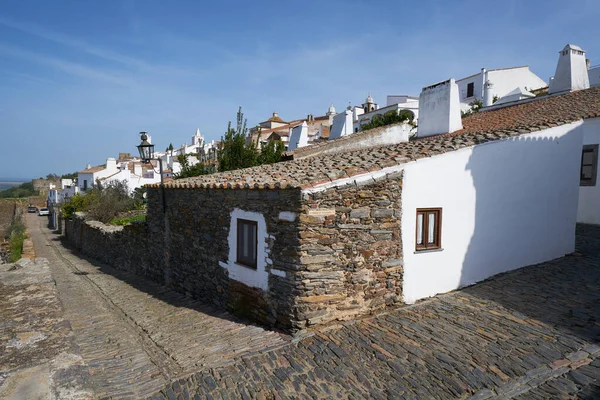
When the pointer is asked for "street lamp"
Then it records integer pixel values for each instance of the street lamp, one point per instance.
(146, 150)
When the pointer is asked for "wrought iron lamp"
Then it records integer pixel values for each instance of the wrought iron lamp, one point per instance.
(146, 150)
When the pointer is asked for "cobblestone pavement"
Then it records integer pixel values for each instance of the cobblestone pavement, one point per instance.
(37, 355)
(531, 333)
(135, 340)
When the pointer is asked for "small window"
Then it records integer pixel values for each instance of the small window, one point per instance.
(470, 89)
(429, 222)
(246, 242)
(589, 165)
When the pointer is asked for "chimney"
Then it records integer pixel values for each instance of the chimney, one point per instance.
(571, 71)
(137, 169)
(439, 109)
(488, 90)
(298, 137)
(111, 164)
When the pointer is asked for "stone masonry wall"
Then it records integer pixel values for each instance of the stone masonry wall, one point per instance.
(332, 255)
(123, 247)
(7, 210)
(351, 252)
(195, 240)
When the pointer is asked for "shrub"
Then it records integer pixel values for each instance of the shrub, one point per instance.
(16, 232)
(104, 201)
(77, 203)
(109, 200)
(389, 118)
(128, 220)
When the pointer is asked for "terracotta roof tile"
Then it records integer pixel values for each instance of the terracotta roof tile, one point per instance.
(91, 170)
(478, 128)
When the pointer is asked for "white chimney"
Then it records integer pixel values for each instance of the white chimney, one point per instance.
(439, 109)
(137, 169)
(111, 164)
(298, 136)
(571, 71)
(488, 90)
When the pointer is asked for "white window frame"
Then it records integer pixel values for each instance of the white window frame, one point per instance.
(258, 277)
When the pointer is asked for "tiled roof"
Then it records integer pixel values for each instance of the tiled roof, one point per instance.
(91, 170)
(482, 127)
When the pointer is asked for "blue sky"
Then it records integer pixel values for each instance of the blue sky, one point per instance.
(80, 79)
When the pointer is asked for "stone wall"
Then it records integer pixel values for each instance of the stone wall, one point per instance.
(123, 247)
(7, 210)
(351, 252)
(331, 255)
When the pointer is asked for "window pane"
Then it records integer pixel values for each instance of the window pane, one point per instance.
(431, 228)
(246, 240)
(252, 243)
(420, 228)
(586, 172)
(588, 158)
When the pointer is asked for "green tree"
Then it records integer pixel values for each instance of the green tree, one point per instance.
(271, 152)
(72, 175)
(235, 152)
(188, 170)
(24, 190)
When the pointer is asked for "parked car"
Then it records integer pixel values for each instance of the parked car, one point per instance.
(44, 211)
(31, 209)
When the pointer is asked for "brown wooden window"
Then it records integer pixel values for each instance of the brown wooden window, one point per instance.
(589, 165)
(247, 236)
(470, 89)
(429, 228)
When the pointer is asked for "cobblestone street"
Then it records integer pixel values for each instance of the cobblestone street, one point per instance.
(531, 333)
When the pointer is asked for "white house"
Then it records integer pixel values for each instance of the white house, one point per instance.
(503, 81)
(468, 198)
(133, 172)
(398, 104)
(594, 75)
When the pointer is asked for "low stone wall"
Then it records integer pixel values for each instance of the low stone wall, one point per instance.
(7, 210)
(123, 247)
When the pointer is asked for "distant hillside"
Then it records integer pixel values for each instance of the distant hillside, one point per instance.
(9, 184)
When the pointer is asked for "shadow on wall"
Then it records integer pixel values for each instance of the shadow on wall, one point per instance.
(153, 289)
(526, 195)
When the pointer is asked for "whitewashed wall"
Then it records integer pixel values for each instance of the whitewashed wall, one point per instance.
(589, 196)
(594, 75)
(506, 204)
(504, 80)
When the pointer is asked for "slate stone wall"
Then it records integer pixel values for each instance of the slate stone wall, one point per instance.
(195, 240)
(351, 252)
(123, 247)
(333, 255)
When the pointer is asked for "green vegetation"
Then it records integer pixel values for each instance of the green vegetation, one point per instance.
(188, 170)
(389, 118)
(71, 175)
(18, 192)
(16, 233)
(475, 106)
(128, 220)
(235, 152)
(104, 202)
